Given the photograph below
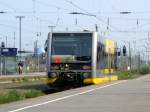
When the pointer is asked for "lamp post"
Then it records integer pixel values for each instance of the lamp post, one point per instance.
(125, 12)
(20, 20)
(52, 27)
(85, 14)
(37, 52)
(80, 13)
(129, 58)
(1, 12)
(145, 54)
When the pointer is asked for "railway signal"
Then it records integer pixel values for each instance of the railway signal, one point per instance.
(124, 50)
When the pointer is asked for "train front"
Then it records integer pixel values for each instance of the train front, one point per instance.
(70, 58)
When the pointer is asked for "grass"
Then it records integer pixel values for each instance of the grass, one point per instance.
(33, 93)
(27, 79)
(123, 75)
(144, 70)
(9, 97)
(14, 95)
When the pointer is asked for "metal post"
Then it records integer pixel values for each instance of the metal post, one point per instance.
(4, 58)
(49, 52)
(109, 61)
(6, 41)
(20, 20)
(20, 35)
(0, 62)
(52, 27)
(116, 57)
(130, 55)
(139, 61)
(14, 38)
(96, 28)
(38, 63)
(37, 55)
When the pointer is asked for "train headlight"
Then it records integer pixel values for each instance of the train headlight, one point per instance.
(52, 75)
(66, 67)
(86, 67)
(86, 75)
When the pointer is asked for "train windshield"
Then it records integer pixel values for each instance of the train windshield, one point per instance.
(72, 44)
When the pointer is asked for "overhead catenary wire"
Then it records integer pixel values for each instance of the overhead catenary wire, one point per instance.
(106, 23)
(86, 12)
(8, 6)
(95, 16)
(54, 6)
(70, 2)
(64, 9)
(51, 5)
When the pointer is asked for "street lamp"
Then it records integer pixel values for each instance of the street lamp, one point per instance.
(125, 12)
(86, 14)
(20, 21)
(51, 27)
(2, 12)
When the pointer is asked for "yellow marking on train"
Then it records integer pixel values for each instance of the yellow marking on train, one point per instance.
(114, 78)
(51, 80)
(107, 71)
(100, 80)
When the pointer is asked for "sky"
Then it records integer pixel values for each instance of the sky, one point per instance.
(39, 14)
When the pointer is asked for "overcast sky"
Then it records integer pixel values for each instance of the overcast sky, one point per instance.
(39, 14)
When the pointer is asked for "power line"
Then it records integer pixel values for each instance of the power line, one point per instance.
(99, 19)
(127, 19)
(70, 2)
(95, 16)
(7, 5)
(143, 25)
(113, 27)
(51, 5)
(39, 12)
(14, 27)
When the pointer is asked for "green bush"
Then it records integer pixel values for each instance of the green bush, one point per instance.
(144, 70)
(25, 79)
(134, 71)
(3, 98)
(33, 93)
(13, 95)
(125, 75)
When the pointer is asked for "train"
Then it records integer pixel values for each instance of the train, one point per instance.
(78, 57)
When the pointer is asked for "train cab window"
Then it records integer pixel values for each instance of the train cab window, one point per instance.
(77, 44)
(45, 45)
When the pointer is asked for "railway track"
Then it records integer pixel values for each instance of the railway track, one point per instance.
(38, 85)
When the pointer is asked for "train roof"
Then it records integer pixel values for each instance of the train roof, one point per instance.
(73, 32)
